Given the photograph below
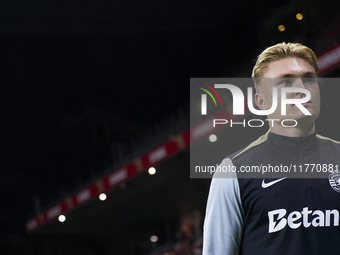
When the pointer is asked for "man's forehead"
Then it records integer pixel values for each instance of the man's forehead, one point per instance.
(289, 67)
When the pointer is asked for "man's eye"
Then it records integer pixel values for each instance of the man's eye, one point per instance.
(309, 80)
(286, 82)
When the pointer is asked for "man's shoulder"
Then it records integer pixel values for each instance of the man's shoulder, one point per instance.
(250, 148)
(328, 140)
(328, 144)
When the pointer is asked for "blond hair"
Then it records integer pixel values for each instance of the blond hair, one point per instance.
(280, 51)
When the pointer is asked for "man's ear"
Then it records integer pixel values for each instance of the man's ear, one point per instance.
(261, 104)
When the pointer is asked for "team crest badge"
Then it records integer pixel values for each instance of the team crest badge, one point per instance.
(334, 180)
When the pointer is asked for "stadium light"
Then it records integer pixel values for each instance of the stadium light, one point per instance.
(152, 170)
(299, 16)
(212, 138)
(281, 28)
(61, 218)
(154, 238)
(102, 196)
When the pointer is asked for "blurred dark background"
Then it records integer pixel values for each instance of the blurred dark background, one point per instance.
(87, 85)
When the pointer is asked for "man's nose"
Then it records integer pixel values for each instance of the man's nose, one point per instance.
(298, 83)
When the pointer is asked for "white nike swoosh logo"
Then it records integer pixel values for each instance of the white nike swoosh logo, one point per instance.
(266, 185)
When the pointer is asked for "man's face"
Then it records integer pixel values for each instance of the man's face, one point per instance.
(290, 72)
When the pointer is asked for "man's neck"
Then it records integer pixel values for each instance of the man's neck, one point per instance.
(293, 131)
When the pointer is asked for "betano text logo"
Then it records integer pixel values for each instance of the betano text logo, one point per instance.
(306, 218)
(239, 102)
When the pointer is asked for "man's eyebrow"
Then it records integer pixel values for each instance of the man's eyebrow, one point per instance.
(307, 74)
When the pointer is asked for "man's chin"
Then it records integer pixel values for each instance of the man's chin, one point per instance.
(303, 121)
(295, 120)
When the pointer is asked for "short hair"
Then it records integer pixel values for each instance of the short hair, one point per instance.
(280, 51)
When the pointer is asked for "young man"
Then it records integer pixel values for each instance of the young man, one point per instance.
(281, 215)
